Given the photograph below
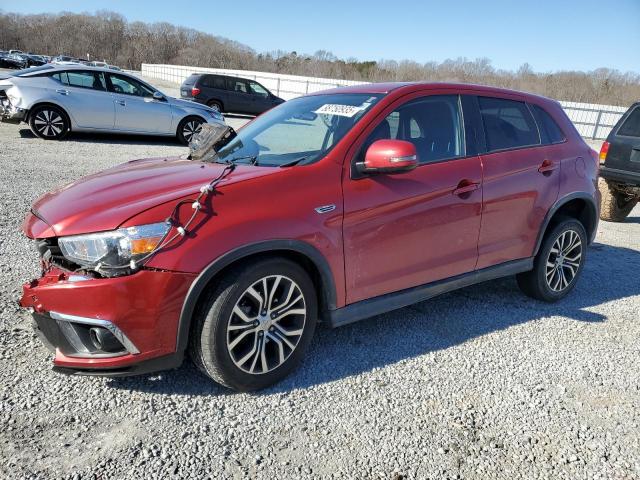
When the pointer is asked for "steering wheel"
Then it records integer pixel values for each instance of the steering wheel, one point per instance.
(118, 89)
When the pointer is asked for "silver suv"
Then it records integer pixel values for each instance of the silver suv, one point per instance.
(56, 99)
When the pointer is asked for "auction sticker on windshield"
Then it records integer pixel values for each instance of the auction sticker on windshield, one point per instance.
(340, 110)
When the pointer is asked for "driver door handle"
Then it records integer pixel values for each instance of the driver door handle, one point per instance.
(465, 186)
(121, 102)
(62, 91)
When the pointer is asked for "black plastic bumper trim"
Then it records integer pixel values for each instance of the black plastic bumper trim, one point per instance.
(393, 301)
(167, 362)
(623, 176)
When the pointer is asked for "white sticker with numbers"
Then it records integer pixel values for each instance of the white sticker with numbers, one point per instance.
(340, 110)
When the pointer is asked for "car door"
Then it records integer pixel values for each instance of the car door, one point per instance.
(238, 98)
(135, 108)
(260, 98)
(215, 89)
(83, 94)
(406, 230)
(521, 181)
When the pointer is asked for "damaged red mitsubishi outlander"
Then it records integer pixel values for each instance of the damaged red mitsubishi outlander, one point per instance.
(331, 207)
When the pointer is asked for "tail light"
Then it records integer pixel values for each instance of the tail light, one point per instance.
(603, 151)
(195, 91)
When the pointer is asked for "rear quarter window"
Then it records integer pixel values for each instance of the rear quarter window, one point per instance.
(191, 79)
(550, 132)
(631, 125)
(507, 124)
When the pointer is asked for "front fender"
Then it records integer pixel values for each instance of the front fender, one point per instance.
(328, 287)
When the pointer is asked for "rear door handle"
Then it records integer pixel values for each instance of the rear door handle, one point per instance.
(547, 167)
(62, 91)
(465, 186)
(121, 102)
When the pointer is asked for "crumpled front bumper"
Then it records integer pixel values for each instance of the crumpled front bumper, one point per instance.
(10, 113)
(141, 311)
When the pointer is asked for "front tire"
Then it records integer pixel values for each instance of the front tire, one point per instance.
(558, 263)
(187, 128)
(614, 207)
(255, 327)
(49, 122)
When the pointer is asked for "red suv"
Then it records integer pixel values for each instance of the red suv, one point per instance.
(331, 207)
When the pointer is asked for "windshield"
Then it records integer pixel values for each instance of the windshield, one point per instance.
(300, 131)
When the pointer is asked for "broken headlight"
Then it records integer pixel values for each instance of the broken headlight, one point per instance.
(115, 249)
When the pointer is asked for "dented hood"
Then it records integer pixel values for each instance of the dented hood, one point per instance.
(105, 200)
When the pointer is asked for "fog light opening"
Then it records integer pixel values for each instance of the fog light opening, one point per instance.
(103, 340)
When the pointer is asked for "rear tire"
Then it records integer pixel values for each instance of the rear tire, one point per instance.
(49, 122)
(558, 264)
(187, 128)
(614, 206)
(249, 334)
(215, 104)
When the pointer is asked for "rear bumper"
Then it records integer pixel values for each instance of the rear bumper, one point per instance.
(11, 114)
(141, 311)
(622, 176)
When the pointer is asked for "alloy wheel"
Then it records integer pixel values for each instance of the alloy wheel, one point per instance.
(564, 260)
(190, 129)
(49, 123)
(266, 324)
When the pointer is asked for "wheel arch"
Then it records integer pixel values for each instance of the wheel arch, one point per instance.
(187, 117)
(46, 103)
(580, 206)
(304, 254)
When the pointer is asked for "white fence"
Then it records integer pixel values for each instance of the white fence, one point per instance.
(592, 121)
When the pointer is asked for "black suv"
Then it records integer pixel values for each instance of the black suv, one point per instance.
(620, 167)
(229, 94)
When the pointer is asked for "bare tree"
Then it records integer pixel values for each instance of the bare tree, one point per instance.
(108, 36)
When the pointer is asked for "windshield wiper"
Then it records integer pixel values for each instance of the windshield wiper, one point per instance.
(293, 162)
(253, 160)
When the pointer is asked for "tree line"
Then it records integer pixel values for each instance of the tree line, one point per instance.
(109, 36)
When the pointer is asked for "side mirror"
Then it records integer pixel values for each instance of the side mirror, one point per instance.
(389, 156)
(158, 96)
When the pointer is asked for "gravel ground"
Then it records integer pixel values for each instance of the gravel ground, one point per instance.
(480, 383)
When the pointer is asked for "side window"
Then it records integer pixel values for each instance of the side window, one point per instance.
(60, 77)
(258, 89)
(212, 81)
(507, 124)
(631, 126)
(129, 86)
(206, 81)
(549, 130)
(239, 86)
(218, 82)
(393, 120)
(81, 79)
(433, 124)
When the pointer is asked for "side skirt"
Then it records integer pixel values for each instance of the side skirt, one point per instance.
(392, 301)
